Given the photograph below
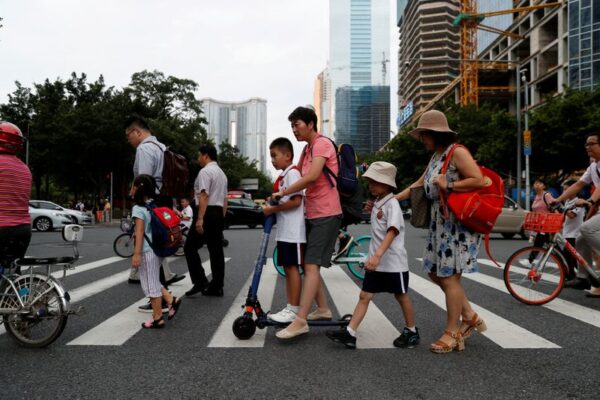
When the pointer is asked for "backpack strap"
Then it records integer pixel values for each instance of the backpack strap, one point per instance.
(443, 172)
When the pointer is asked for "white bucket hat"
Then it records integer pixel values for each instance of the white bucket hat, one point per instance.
(382, 172)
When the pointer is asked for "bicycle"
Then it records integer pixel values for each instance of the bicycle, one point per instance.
(541, 280)
(354, 255)
(35, 306)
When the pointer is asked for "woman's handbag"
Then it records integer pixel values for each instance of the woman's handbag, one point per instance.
(420, 207)
(479, 209)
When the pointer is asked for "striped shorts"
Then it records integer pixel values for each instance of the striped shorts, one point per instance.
(150, 274)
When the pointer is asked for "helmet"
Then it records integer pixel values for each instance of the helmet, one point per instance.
(11, 138)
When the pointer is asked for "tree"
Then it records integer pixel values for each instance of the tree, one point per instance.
(238, 167)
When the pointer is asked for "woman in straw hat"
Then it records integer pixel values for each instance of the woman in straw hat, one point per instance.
(451, 248)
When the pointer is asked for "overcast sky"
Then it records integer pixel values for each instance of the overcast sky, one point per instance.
(234, 50)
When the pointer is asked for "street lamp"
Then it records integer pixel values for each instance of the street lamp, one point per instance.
(526, 140)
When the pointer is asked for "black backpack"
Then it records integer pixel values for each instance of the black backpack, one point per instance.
(175, 174)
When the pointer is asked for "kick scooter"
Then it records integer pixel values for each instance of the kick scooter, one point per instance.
(245, 326)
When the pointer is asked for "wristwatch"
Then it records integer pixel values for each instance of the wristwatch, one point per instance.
(450, 187)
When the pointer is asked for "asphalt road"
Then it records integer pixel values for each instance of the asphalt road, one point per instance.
(527, 353)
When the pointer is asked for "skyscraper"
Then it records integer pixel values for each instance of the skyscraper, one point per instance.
(584, 44)
(242, 124)
(358, 63)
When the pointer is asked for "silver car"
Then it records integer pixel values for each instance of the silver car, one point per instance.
(510, 221)
(46, 220)
(77, 217)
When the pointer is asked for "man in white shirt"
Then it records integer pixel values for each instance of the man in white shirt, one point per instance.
(210, 189)
(589, 233)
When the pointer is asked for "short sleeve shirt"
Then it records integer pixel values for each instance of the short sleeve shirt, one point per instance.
(592, 175)
(290, 223)
(142, 214)
(572, 225)
(149, 159)
(212, 180)
(188, 212)
(386, 214)
(322, 199)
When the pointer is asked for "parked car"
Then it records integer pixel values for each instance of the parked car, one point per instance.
(77, 217)
(510, 221)
(46, 220)
(243, 212)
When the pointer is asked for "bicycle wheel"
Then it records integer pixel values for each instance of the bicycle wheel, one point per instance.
(46, 315)
(530, 282)
(359, 249)
(279, 268)
(124, 245)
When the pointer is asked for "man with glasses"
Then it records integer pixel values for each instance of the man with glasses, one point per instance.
(149, 159)
(589, 233)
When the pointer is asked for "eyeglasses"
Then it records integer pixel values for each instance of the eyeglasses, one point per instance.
(590, 144)
(127, 133)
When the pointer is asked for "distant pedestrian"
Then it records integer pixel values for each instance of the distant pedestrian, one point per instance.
(291, 231)
(106, 210)
(573, 222)
(210, 190)
(149, 160)
(386, 268)
(186, 214)
(144, 259)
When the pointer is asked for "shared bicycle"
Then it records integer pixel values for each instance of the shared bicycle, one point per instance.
(353, 255)
(35, 305)
(535, 275)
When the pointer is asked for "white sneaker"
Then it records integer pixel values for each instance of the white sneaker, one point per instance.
(284, 316)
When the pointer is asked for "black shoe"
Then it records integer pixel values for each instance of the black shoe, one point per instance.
(134, 281)
(148, 307)
(408, 338)
(342, 336)
(195, 290)
(578, 283)
(213, 292)
(175, 278)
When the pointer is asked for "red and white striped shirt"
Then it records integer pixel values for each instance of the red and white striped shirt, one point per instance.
(15, 189)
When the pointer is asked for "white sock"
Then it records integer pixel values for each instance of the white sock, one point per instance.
(412, 329)
(351, 331)
(295, 309)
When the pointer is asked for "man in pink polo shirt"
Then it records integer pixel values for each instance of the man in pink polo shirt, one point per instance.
(323, 215)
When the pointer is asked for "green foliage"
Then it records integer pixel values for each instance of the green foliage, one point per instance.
(238, 167)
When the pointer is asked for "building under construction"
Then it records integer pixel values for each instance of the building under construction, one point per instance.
(534, 40)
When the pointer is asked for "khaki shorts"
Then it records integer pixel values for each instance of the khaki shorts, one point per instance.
(321, 235)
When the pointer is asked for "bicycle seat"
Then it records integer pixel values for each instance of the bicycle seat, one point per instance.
(28, 261)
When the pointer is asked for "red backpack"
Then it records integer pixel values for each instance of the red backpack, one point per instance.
(479, 209)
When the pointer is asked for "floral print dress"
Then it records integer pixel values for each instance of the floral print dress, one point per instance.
(450, 248)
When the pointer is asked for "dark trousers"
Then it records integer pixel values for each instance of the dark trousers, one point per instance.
(213, 238)
(14, 241)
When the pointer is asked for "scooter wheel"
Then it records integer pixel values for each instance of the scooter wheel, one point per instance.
(346, 317)
(244, 327)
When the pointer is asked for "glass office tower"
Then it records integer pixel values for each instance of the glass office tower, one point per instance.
(584, 44)
(358, 67)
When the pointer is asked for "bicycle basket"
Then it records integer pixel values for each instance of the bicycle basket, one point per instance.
(125, 225)
(543, 222)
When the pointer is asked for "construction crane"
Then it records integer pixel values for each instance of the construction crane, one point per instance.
(469, 21)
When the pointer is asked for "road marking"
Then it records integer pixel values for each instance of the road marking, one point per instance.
(564, 307)
(501, 331)
(77, 269)
(121, 327)
(224, 337)
(375, 331)
(521, 270)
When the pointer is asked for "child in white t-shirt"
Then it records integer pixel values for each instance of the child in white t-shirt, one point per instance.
(387, 264)
(291, 233)
(186, 214)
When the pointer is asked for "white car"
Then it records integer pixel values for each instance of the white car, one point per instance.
(511, 219)
(46, 220)
(77, 217)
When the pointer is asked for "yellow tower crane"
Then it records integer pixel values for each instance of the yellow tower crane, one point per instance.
(469, 21)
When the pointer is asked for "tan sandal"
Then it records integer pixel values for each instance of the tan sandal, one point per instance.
(469, 325)
(441, 347)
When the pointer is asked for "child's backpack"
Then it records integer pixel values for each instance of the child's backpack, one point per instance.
(479, 209)
(166, 230)
(346, 181)
(175, 174)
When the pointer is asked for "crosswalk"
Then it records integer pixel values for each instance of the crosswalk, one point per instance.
(375, 332)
